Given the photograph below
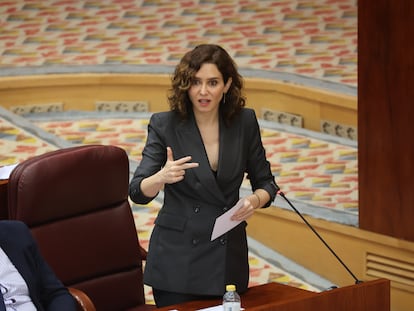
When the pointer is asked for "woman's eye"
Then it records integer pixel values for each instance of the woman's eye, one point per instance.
(211, 83)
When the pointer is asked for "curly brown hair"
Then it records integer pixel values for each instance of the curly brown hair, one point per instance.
(186, 70)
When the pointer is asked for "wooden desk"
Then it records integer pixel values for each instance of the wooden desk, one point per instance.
(367, 296)
(255, 296)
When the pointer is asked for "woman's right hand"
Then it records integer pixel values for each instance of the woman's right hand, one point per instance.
(174, 170)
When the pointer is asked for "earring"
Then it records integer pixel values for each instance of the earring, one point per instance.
(224, 98)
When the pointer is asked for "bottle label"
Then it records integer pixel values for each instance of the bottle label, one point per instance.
(231, 306)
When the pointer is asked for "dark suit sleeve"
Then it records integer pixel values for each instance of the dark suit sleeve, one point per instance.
(48, 290)
(258, 167)
(54, 295)
(154, 156)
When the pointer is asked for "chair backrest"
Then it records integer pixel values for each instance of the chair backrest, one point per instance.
(75, 201)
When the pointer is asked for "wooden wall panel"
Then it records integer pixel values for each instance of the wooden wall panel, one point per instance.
(81, 91)
(386, 117)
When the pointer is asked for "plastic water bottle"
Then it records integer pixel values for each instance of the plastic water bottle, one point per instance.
(231, 299)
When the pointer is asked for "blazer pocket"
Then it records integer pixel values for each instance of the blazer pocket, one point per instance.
(170, 221)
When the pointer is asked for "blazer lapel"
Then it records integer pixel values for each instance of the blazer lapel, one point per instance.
(229, 149)
(190, 141)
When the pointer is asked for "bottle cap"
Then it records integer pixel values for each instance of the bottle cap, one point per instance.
(230, 288)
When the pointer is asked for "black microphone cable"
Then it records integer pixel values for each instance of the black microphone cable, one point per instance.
(357, 281)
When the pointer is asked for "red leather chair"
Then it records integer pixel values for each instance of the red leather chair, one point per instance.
(75, 201)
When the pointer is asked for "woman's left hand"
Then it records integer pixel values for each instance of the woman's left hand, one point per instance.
(247, 210)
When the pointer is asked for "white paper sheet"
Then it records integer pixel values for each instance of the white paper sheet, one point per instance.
(5, 171)
(223, 223)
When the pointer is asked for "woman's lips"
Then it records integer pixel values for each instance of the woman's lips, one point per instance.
(204, 102)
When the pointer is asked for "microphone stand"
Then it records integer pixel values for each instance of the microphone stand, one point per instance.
(357, 281)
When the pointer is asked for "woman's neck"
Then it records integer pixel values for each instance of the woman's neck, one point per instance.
(206, 119)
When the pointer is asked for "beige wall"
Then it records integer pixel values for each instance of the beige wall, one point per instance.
(82, 91)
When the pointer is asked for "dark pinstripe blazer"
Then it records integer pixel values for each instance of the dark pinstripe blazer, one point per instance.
(181, 257)
(46, 291)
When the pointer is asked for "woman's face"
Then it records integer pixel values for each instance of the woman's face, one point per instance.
(207, 89)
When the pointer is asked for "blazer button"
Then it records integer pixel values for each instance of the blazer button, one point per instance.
(196, 209)
(195, 241)
(223, 241)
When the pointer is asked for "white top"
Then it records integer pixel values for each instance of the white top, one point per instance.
(13, 286)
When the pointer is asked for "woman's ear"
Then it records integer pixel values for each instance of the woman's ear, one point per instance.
(227, 86)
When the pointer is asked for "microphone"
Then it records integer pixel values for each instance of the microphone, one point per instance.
(357, 281)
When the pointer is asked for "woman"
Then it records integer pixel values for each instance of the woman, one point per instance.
(199, 153)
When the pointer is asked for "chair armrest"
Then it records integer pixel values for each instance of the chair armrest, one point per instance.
(82, 299)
